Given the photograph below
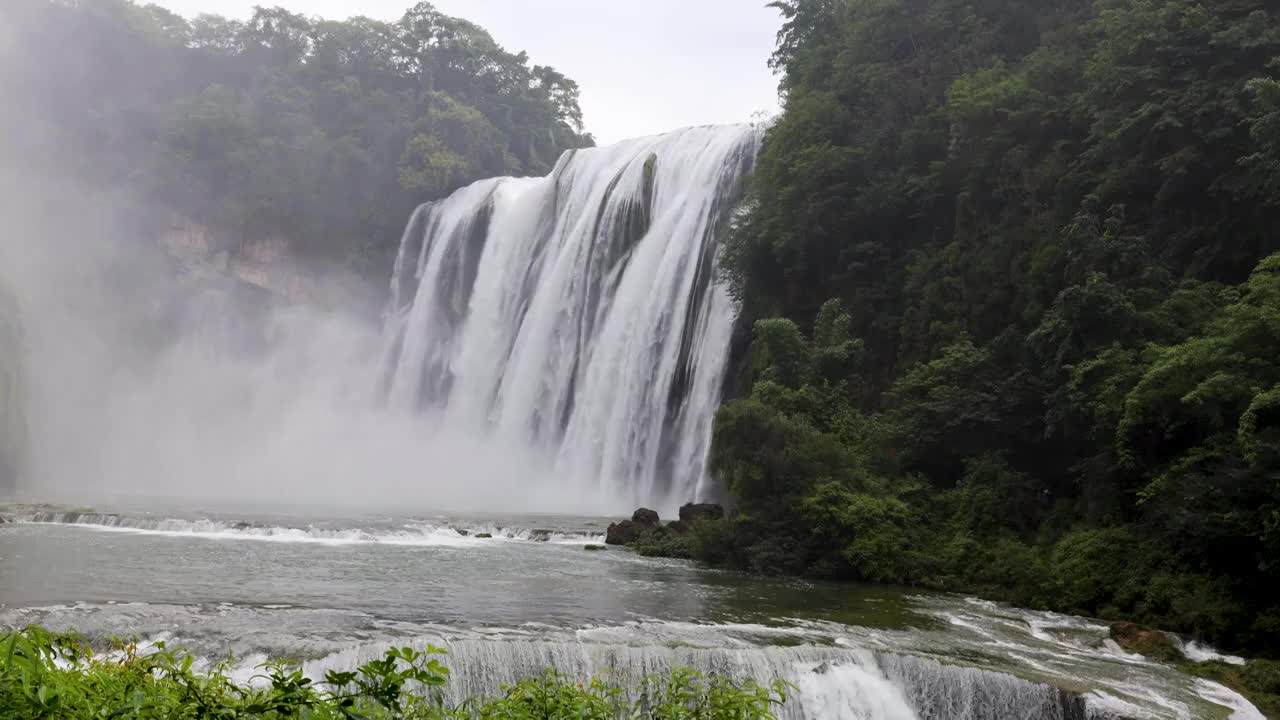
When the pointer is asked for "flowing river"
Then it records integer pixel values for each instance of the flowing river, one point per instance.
(334, 591)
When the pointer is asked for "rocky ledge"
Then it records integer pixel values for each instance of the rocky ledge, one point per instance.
(645, 532)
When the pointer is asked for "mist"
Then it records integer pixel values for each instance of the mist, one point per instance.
(152, 371)
(150, 380)
(201, 224)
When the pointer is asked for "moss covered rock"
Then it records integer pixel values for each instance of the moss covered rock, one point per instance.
(1134, 638)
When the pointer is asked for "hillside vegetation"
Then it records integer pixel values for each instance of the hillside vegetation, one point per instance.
(325, 133)
(1012, 309)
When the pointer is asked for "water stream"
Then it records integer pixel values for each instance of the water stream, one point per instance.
(333, 592)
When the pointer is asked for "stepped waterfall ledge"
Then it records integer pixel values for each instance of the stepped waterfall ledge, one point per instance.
(578, 315)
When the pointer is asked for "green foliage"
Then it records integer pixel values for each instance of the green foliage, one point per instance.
(663, 541)
(1044, 235)
(45, 675)
(1258, 680)
(324, 133)
(869, 534)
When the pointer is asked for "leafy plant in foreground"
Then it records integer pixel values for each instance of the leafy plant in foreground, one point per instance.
(46, 676)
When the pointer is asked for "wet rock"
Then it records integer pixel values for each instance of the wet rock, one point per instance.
(621, 533)
(594, 548)
(693, 512)
(628, 531)
(540, 535)
(464, 533)
(1134, 638)
(3, 520)
(484, 535)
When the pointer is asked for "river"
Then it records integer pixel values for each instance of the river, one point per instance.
(333, 589)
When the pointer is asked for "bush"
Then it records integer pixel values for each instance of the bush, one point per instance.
(662, 541)
(46, 675)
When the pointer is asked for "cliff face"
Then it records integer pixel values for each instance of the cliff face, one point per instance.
(13, 425)
(268, 262)
(264, 262)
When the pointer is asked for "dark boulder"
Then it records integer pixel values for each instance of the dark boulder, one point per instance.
(594, 548)
(484, 536)
(621, 533)
(629, 531)
(692, 512)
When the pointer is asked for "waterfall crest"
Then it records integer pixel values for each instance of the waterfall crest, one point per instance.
(578, 314)
(828, 682)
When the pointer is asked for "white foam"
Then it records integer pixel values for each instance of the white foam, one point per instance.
(1199, 652)
(851, 691)
(413, 535)
(1103, 704)
(1241, 709)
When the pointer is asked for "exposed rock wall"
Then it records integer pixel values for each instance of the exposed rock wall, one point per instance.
(269, 262)
(264, 262)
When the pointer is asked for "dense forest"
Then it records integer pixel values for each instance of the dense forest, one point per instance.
(321, 132)
(1012, 307)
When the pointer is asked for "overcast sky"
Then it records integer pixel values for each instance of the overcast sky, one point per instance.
(644, 66)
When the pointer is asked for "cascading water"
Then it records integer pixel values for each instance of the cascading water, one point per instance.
(13, 421)
(579, 314)
(828, 683)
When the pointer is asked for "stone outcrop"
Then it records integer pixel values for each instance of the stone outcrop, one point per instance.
(628, 531)
(693, 512)
(1144, 641)
(644, 522)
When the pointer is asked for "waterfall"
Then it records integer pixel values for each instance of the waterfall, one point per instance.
(578, 314)
(829, 683)
(13, 421)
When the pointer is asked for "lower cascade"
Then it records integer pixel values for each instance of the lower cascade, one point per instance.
(578, 315)
(827, 682)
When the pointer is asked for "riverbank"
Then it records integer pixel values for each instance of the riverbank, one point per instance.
(697, 526)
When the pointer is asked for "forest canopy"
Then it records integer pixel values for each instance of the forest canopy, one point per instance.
(1012, 309)
(326, 133)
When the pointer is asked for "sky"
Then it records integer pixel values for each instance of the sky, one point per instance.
(643, 66)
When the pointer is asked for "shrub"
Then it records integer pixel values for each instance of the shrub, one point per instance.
(45, 675)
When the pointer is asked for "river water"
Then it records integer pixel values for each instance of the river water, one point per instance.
(334, 590)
